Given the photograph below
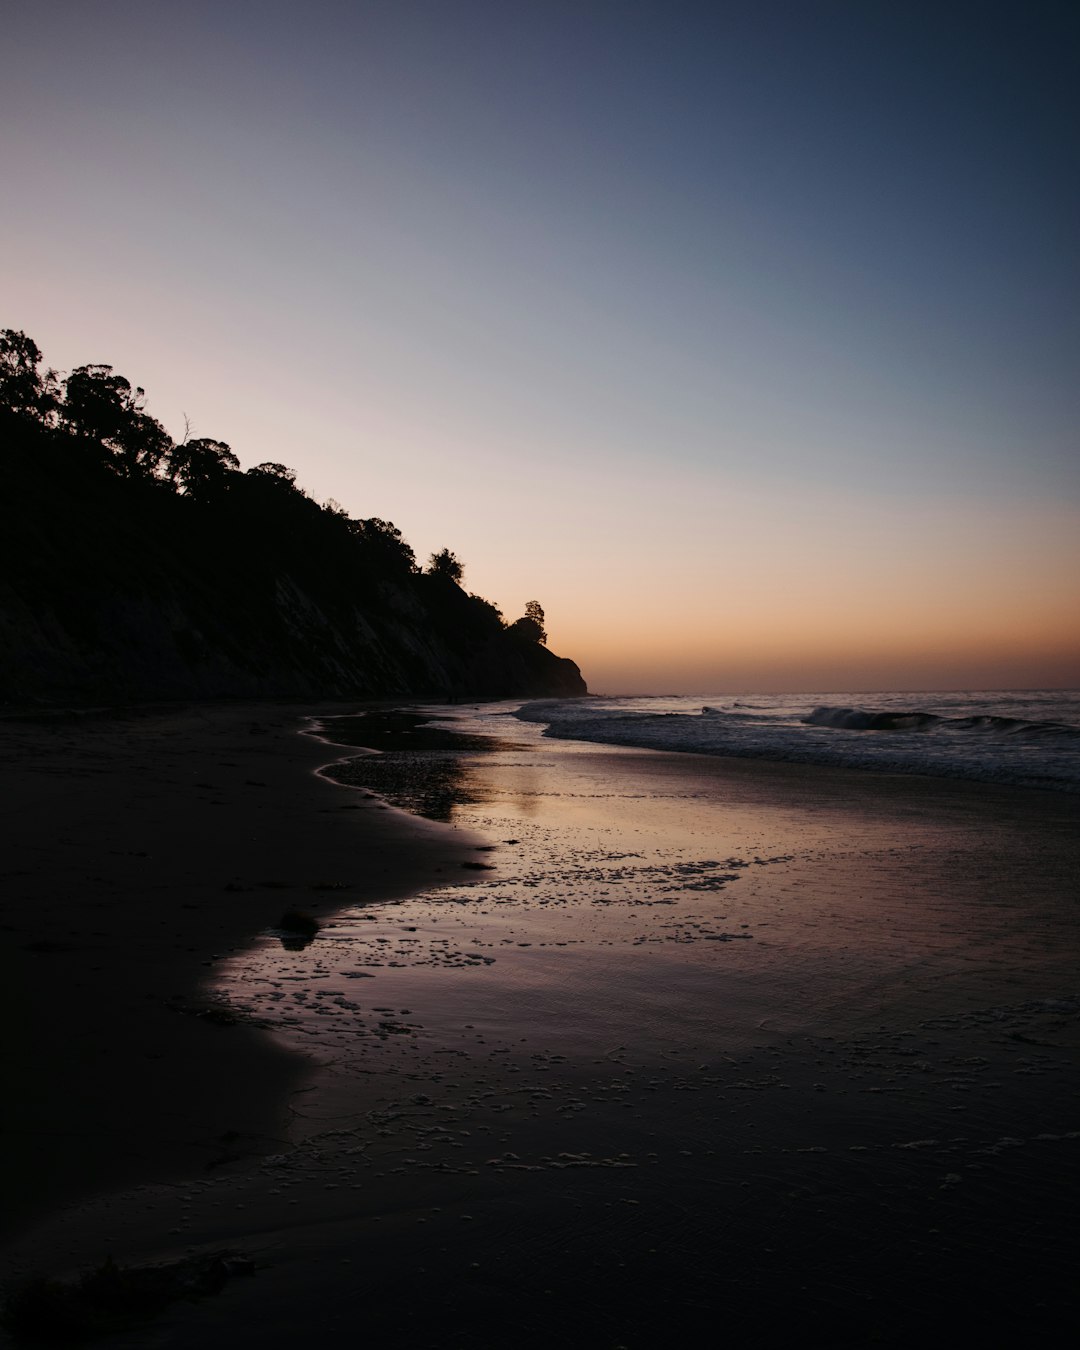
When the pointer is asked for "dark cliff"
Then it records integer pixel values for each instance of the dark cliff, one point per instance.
(120, 587)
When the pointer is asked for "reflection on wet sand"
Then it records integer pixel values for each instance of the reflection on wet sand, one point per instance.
(419, 768)
(786, 1045)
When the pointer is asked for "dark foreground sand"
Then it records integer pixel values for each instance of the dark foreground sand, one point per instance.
(714, 1049)
(141, 847)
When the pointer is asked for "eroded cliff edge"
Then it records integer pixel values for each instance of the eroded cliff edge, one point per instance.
(118, 587)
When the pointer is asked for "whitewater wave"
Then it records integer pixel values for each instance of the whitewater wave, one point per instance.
(863, 719)
(973, 736)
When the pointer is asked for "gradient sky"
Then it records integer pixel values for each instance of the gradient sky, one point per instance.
(743, 336)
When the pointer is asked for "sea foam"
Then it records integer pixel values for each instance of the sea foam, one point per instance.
(1029, 738)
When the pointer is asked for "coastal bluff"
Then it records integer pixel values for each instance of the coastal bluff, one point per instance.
(120, 585)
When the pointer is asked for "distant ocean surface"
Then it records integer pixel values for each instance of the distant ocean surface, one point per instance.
(1025, 737)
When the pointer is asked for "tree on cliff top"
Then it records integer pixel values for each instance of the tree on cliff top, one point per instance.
(201, 468)
(530, 626)
(447, 565)
(103, 406)
(23, 389)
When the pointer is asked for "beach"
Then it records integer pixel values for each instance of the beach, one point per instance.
(143, 846)
(620, 1045)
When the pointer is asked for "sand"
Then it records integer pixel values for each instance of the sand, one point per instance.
(143, 846)
(668, 1046)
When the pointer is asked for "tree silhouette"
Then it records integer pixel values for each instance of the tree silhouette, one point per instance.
(141, 445)
(446, 565)
(384, 543)
(201, 468)
(103, 406)
(98, 402)
(534, 612)
(23, 389)
(530, 627)
(275, 473)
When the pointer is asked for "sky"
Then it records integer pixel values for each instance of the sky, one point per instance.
(742, 336)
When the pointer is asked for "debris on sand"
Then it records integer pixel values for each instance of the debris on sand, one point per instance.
(296, 929)
(298, 921)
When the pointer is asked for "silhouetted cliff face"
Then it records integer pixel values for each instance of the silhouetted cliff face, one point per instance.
(118, 588)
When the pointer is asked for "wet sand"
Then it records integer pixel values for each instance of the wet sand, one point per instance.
(700, 1047)
(141, 848)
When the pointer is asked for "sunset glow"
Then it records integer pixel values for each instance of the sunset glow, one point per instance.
(743, 341)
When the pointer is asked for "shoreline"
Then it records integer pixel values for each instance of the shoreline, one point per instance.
(147, 843)
(698, 1040)
(1017, 738)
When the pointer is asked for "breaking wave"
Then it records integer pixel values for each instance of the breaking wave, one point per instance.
(862, 719)
(1025, 738)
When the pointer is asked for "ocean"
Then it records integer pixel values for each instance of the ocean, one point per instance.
(1029, 738)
